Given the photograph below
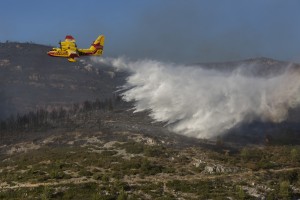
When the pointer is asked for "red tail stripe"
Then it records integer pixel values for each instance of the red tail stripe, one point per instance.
(98, 46)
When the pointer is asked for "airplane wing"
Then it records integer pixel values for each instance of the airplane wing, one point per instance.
(70, 46)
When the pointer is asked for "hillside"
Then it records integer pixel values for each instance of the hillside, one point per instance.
(30, 79)
(71, 137)
(104, 151)
(260, 66)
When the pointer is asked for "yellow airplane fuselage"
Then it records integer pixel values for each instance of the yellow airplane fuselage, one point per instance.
(68, 49)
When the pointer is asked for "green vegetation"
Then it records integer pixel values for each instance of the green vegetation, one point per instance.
(203, 189)
(96, 163)
(132, 147)
(107, 174)
(284, 190)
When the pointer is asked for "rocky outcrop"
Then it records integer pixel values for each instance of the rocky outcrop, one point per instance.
(218, 168)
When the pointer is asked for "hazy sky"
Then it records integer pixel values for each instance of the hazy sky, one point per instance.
(183, 31)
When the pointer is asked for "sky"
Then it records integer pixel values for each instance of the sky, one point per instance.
(182, 31)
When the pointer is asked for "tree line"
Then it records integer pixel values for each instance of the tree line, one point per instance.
(45, 118)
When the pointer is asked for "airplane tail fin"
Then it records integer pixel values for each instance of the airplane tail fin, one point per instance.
(97, 46)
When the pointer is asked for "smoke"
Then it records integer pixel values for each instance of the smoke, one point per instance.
(205, 103)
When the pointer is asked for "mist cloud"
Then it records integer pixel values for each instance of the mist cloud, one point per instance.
(204, 103)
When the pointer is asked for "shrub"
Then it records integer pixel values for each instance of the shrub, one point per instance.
(132, 147)
(285, 190)
(153, 151)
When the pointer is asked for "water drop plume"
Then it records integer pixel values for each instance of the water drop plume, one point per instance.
(204, 103)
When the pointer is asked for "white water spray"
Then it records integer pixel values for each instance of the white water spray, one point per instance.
(205, 103)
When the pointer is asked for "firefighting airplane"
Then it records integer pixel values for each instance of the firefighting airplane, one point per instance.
(68, 49)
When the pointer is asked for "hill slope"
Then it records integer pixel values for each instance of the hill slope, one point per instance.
(101, 150)
(30, 79)
(107, 154)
